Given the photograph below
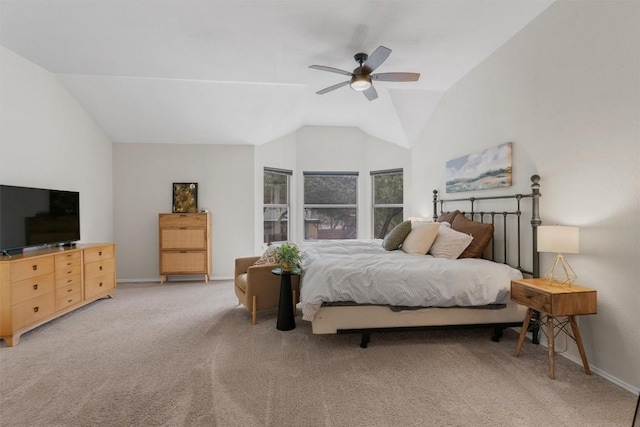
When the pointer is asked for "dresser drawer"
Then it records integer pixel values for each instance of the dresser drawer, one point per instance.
(533, 298)
(68, 281)
(33, 310)
(64, 265)
(67, 256)
(21, 270)
(68, 271)
(68, 301)
(68, 290)
(98, 285)
(183, 239)
(31, 288)
(183, 220)
(184, 262)
(98, 268)
(98, 253)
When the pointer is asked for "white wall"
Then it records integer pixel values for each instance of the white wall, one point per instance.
(566, 92)
(47, 140)
(144, 177)
(325, 148)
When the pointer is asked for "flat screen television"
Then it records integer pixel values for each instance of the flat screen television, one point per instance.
(37, 217)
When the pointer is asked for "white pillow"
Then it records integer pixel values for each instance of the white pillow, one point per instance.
(421, 237)
(449, 243)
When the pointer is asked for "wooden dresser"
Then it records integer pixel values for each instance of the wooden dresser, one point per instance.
(185, 244)
(39, 286)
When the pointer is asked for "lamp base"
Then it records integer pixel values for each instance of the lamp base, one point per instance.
(560, 273)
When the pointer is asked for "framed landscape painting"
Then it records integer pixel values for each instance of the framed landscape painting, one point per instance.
(489, 168)
(185, 197)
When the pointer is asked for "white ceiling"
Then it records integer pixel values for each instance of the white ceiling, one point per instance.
(236, 72)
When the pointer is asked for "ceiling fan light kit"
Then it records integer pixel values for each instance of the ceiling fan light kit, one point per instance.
(361, 77)
(360, 83)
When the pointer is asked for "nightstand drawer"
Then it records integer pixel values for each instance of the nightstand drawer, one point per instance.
(555, 300)
(532, 298)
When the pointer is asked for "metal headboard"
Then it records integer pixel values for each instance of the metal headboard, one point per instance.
(438, 206)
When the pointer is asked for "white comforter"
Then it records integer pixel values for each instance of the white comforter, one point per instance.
(363, 272)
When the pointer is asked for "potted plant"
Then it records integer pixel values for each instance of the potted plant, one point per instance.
(288, 256)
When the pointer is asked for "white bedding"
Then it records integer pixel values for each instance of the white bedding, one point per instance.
(361, 271)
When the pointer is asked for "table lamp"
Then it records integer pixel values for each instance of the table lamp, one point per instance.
(561, 240)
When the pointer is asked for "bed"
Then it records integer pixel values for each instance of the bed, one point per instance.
(356, 286)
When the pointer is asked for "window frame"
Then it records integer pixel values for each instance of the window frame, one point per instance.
(374, 205)
(306, 206)
(287, 206)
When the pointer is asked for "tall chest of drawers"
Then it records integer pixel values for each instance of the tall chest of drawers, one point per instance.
(185, 244)
(39, 286)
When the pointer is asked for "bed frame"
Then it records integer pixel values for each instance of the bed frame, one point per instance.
(368, 319)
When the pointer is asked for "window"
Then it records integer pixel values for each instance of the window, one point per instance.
(330, 205)
(387, 187)
(276, 205)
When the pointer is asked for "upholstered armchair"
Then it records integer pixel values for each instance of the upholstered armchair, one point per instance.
(257, 288)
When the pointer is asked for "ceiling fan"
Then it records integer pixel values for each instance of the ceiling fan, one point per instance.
(361, 77)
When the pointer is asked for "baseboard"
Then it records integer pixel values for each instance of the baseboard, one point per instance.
(594, 369)
(603, 374)
(198, 278)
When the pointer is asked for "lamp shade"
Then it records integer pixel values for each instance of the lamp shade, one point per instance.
(559, 239)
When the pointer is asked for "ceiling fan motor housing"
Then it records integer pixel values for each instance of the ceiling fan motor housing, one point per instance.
(360, 57)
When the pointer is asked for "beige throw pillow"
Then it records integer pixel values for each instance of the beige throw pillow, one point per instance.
(421, 238)
(449, 243)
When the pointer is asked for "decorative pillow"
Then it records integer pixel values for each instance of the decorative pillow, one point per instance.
(448, 216)
(396, 236)
(268, 257)
(449, 243)
(418, 220)
(421, 238)
(482, 235)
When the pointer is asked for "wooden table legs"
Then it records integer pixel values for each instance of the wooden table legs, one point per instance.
(523, 331)
(550, 321)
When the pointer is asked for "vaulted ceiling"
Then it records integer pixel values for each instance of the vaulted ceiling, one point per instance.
(236, 72)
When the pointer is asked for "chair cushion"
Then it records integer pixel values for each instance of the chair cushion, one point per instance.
(241, 282)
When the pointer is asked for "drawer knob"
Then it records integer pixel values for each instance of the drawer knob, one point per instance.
(100, 253)
(35, 267)
(100, 268)
(69, 281)
(100, 284)
(69, 290)
(70, 300)
(35, 287)
(35, 309)
(68, 263)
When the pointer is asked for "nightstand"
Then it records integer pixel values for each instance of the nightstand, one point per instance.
(553, 302)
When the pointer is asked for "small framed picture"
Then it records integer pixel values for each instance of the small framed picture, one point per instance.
(185, 197)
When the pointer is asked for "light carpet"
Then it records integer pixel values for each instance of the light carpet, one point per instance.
(184, 354)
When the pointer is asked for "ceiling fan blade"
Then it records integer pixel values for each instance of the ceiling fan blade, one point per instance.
(331, 69)
(396, 77)
(330, 88)
(376, 59)
(371, 93)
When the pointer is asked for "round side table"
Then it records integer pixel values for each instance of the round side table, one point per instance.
(286, 316)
